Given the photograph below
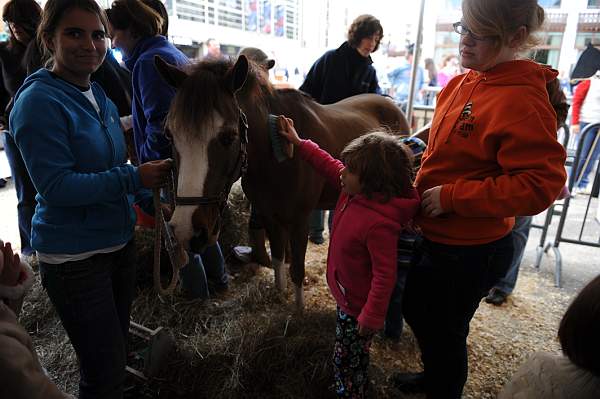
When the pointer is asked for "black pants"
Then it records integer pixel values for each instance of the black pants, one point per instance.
(443, 290)
(93, 300)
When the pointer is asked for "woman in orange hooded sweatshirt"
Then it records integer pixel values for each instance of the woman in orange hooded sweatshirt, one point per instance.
(492, 155)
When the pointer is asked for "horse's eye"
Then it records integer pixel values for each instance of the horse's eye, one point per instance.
(227, 137)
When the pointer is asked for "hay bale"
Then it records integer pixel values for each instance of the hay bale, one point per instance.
(234, 226)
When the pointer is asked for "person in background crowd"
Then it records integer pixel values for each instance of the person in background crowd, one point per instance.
(576, 374)
(213, 50)
(586, 110)
(22, 18)
(431, 72)
(21, 374)
(400, 79)
(71, 140)
(478, 172)
(136, 29)
(342, 73)
(256, 229)
(450, 68)
(377, 200)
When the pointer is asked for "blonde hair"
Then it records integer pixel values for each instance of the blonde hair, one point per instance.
(499, 19)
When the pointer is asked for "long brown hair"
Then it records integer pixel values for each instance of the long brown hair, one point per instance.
(25, 13)
(143, 19)
(383, 164)
(54, 10)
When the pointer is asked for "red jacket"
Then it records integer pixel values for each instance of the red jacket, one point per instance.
(578, 98)
(361, 263)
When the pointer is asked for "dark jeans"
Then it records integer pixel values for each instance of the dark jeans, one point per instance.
(443, 290)
(209, 265)
(582, 179)
(26, 192)
(394, 322)
(93, 300)
(520, 234)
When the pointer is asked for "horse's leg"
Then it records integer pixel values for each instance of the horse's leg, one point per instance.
(278, 238)
(298, 242)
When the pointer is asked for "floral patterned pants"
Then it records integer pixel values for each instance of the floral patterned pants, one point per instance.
(350, 358)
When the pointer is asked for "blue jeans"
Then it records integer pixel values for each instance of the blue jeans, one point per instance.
(520, 234)
(26, 192)
(443, 289)
(209, 265)
(93, 300)
(586, 147)
(316, 223)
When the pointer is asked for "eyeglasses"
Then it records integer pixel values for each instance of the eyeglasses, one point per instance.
(462, 30)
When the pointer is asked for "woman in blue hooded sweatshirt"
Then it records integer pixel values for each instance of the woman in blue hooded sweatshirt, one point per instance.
(69, 134)
(137, 28)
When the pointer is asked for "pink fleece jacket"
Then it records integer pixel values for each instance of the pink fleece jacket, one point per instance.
(361, 263)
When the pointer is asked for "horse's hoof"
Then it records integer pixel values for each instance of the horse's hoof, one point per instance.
(299, 294)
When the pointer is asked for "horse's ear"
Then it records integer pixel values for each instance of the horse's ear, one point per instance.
(170, 73)
(236, 77)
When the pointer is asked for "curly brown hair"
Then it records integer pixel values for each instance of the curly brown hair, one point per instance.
(364, 26)
(383, 164)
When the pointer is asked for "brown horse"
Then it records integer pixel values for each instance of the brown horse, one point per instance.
(206, 123)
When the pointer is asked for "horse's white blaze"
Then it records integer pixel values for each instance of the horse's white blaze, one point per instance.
(192, 148)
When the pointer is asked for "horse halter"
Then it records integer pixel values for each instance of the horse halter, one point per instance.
(238, 171)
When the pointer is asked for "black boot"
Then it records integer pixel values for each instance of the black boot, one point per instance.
(409, 382)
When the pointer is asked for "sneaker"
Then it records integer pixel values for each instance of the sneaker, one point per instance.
(587, 190)
(409, 382)
(496, 297)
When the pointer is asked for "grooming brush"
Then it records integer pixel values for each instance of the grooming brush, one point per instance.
(281, 148)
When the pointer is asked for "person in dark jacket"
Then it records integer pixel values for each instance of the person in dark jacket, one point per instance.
(137, 29)
(23, 18)
(342, 73)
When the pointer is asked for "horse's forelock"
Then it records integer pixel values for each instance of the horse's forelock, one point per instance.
(203, 93)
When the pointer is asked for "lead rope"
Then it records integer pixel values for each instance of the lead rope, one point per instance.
(159, 226)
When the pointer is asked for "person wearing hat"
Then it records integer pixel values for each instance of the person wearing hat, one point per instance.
(258, 56)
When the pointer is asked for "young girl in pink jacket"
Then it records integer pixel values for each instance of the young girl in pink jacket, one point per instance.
(377, 200)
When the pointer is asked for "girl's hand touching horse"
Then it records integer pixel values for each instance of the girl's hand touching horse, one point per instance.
(154, 174)
(286, 129)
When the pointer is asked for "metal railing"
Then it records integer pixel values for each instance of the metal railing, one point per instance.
(581, 238)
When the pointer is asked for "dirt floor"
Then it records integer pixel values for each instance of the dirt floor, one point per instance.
(249, 342)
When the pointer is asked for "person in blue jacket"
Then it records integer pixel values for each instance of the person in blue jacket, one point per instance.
(137, 29)
(342, 73)
(72, 144)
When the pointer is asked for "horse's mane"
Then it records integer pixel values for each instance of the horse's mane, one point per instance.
(203, 91)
